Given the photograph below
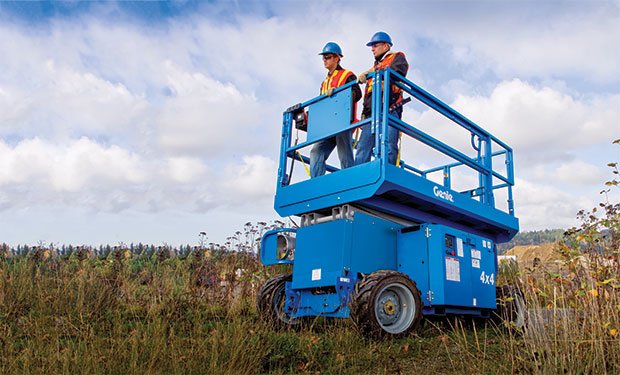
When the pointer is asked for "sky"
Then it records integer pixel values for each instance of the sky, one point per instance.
(152, 122)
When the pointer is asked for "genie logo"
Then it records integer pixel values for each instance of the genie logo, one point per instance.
(442, 194)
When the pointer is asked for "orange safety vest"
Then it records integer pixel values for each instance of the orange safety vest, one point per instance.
(336, 79)
(383, 64)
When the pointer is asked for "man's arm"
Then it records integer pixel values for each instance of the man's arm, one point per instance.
(357, 92)
(400, 64)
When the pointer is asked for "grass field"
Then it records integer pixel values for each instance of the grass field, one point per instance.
(129, 313)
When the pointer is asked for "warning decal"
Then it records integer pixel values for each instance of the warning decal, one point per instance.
(459, 247)
(476, 254)
(316, 274)
(453, 269)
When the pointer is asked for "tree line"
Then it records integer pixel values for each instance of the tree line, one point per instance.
(535, 237)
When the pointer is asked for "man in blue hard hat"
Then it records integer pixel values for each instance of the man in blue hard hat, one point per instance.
(380, 45)
(336, 77)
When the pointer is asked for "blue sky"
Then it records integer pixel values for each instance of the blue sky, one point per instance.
(153, 121)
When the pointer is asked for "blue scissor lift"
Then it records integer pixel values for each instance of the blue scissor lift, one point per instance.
(387, 244)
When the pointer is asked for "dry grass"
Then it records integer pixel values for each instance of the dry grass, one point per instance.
(132, 315)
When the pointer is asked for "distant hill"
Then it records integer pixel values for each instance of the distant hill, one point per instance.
(536, 237)
(531, 255)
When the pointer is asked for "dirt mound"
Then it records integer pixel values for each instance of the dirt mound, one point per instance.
(529, 255)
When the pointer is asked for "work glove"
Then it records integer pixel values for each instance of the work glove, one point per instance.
(362, 77)
(330, 91)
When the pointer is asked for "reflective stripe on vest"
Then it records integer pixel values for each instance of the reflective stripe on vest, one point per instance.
(334, 80)
(383, 64)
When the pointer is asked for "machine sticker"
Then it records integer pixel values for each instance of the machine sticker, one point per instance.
(475, 263)
(487, 279)
(459, 247)
(475, 302)
(316, 274)
(476, 254)
(453, 270)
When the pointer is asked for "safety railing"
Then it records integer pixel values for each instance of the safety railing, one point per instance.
(482, 142)
(296, 115)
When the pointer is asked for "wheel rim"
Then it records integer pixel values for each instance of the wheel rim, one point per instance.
(395, 308)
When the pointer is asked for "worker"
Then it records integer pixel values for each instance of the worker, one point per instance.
(336, 77)
(380, 45)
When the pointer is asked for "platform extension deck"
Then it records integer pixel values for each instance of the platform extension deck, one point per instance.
(403, 190)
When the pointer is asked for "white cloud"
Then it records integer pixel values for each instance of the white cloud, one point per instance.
(90, 102)
(78, 165)
(542, 121)
(83, 173)
(254, 179)
(65, 102)
(570, 44)
(540, 206)
(202, 114)
(271, 54)
(13, 108)
(574, 173)
(576, 39)
(185, 169)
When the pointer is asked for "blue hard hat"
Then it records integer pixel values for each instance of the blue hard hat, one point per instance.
(380, 37)
(331, 47)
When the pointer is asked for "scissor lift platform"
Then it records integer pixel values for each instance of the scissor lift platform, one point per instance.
(402, 191)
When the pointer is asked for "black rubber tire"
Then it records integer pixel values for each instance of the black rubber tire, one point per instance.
(391, 286)
(270, 302)
(511, 310)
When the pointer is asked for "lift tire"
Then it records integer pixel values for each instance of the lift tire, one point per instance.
(386, 304)
(511, 310)
(270, 302)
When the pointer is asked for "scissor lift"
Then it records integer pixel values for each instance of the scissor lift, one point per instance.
(387, 244)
